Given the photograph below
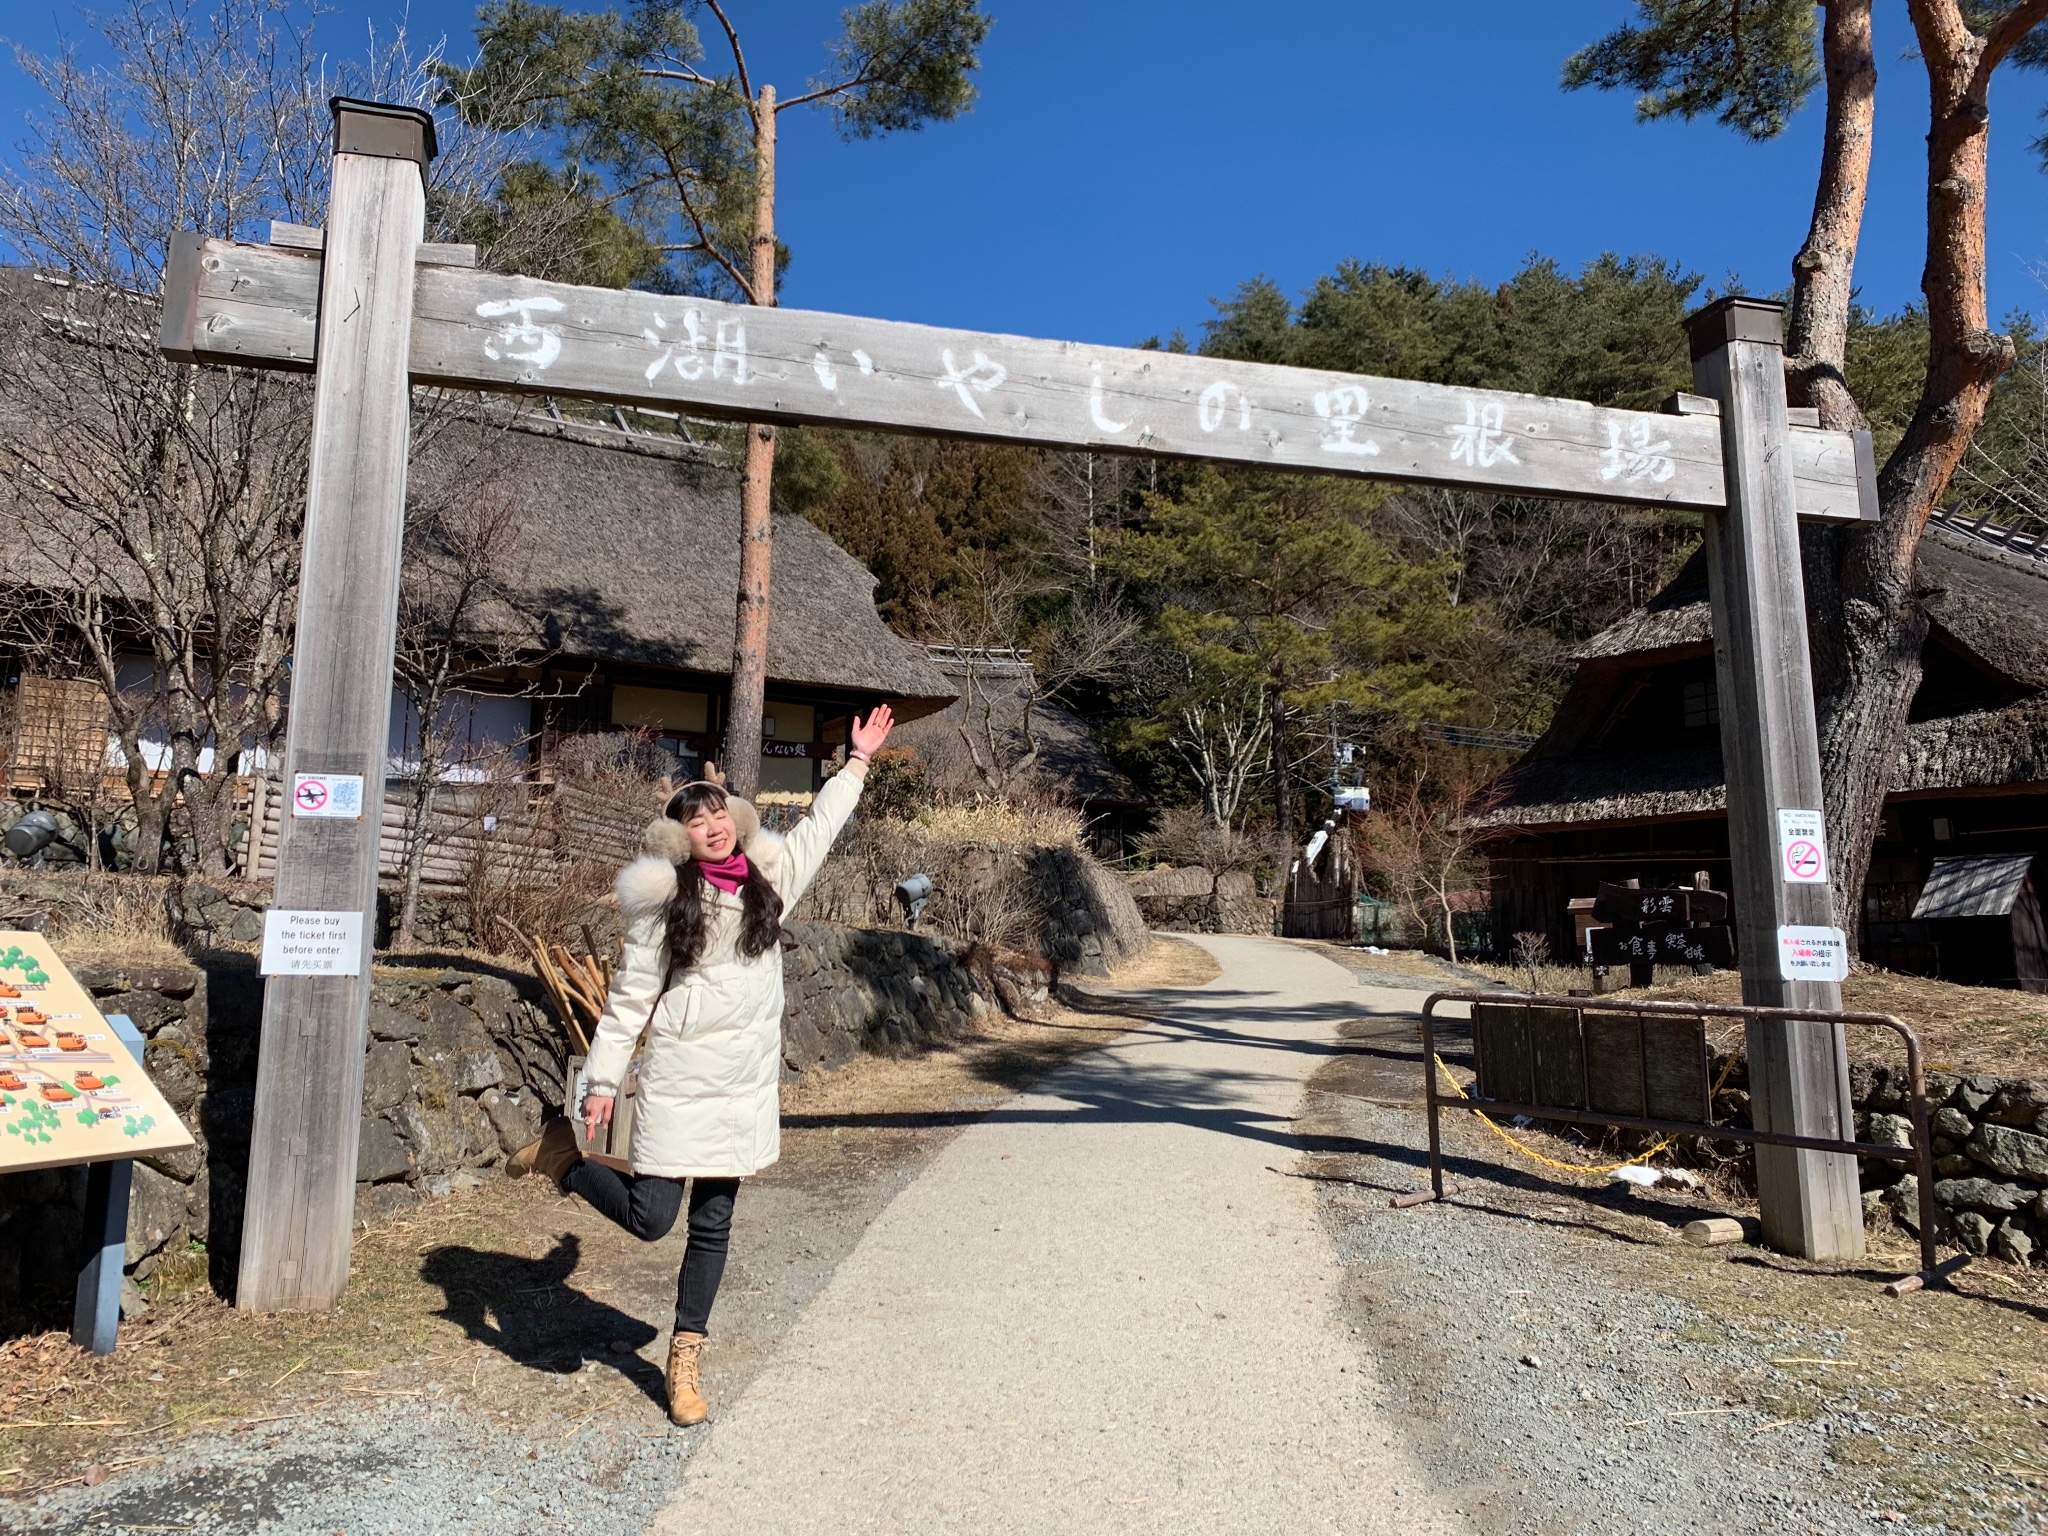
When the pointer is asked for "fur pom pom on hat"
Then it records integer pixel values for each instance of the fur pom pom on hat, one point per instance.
(670, 840)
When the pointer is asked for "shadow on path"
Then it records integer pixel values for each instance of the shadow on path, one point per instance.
(527, 1311)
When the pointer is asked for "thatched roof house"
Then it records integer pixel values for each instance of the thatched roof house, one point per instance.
(614, 576)
(623, 574)
(1627, 783)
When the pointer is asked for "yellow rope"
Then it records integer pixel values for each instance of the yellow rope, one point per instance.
(1550, 1162)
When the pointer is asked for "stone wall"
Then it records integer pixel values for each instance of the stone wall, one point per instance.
(1990, 1159)
(460, 1067)
(1990, 1155)
(1178, 900)
(852, 990)
(1089, 922)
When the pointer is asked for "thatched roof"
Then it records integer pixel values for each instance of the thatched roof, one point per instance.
(1071, 765)
(628, 550)
(1989, 605)
(1992, 604)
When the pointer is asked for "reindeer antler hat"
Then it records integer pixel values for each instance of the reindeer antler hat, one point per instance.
(669, 839)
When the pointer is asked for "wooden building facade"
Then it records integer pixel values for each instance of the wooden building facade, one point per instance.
(1627, 783)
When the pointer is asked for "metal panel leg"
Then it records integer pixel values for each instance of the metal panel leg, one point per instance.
(97, 1319)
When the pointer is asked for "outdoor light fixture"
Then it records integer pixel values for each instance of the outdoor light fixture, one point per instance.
(914, 893)
(28, 837)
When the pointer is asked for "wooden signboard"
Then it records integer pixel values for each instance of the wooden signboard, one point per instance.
(1646, 1065)
(70, 1090)
(1658, 904)
(259, 305)
(1659, 945)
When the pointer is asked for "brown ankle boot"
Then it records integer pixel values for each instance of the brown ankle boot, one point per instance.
(554, 1154)
(686, 1404)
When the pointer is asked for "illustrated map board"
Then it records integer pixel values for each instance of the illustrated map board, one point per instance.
(70, 1090)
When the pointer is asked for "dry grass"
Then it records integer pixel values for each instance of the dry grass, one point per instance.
(1166, 963)
(106, 917)
(1961, 1029)
(1000, 824)
(1957, 1365)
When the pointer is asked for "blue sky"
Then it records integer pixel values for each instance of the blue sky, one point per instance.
(1130, 159)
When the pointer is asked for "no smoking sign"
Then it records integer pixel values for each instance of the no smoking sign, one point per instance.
(1802, 848)
(336, 795)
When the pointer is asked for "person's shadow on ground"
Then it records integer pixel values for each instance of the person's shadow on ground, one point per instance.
(527, 1311)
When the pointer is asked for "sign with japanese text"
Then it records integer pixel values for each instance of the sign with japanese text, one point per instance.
(336, 795)
(1802, 847)
(71, 1091)
(312, 943)
(1812, 954)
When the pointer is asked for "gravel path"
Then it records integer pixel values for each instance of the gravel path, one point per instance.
(1101, 1309)
(1541, 1372)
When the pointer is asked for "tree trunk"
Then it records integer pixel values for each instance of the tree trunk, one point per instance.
(1283, 791)
(757, 528)
(209, 804)
(1822, 293)
(1865, 612)
(416, 856)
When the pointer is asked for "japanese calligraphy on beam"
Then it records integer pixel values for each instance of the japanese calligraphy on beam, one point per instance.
(257, 305)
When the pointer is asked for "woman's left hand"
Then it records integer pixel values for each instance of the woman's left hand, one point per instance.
(868, 735)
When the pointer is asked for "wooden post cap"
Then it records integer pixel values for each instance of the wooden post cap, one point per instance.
(1735, 319)
(384, 129)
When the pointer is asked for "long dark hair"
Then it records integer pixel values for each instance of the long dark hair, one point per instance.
(761, 908)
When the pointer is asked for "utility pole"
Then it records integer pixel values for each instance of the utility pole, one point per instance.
(318, 933)
(1791, 954)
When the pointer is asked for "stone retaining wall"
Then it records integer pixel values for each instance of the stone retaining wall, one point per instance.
(1193, 901)
(1990, 1159)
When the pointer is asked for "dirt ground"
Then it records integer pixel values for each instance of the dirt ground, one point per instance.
(1930, 1408)
(515, 1304)
(1962, 1029)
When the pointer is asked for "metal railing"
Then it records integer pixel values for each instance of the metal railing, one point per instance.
(1920, 1154)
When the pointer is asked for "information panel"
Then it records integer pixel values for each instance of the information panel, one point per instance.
(70, 1090)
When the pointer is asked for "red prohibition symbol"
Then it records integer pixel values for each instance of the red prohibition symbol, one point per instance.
(1803, 859)
(312, 794)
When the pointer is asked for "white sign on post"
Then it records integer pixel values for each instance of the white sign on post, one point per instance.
(1802, 847)
(312, 943)
(339, 795)
(1808, 953)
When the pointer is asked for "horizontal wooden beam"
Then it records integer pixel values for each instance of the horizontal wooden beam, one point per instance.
(257, 306)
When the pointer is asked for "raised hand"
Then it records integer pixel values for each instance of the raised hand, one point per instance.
(868, 735)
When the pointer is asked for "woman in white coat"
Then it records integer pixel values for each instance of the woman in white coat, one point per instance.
(702, 979)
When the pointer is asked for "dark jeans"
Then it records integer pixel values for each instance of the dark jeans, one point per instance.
(647, 1207)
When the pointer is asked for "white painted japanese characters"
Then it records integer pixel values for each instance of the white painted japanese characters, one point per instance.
(478, 330)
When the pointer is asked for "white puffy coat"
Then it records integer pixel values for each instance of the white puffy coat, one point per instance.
(708, 1103)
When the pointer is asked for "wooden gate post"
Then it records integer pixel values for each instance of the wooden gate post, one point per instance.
(316, 1003)
(1798, 1071)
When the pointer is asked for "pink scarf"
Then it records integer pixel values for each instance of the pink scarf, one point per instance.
(728, 873)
